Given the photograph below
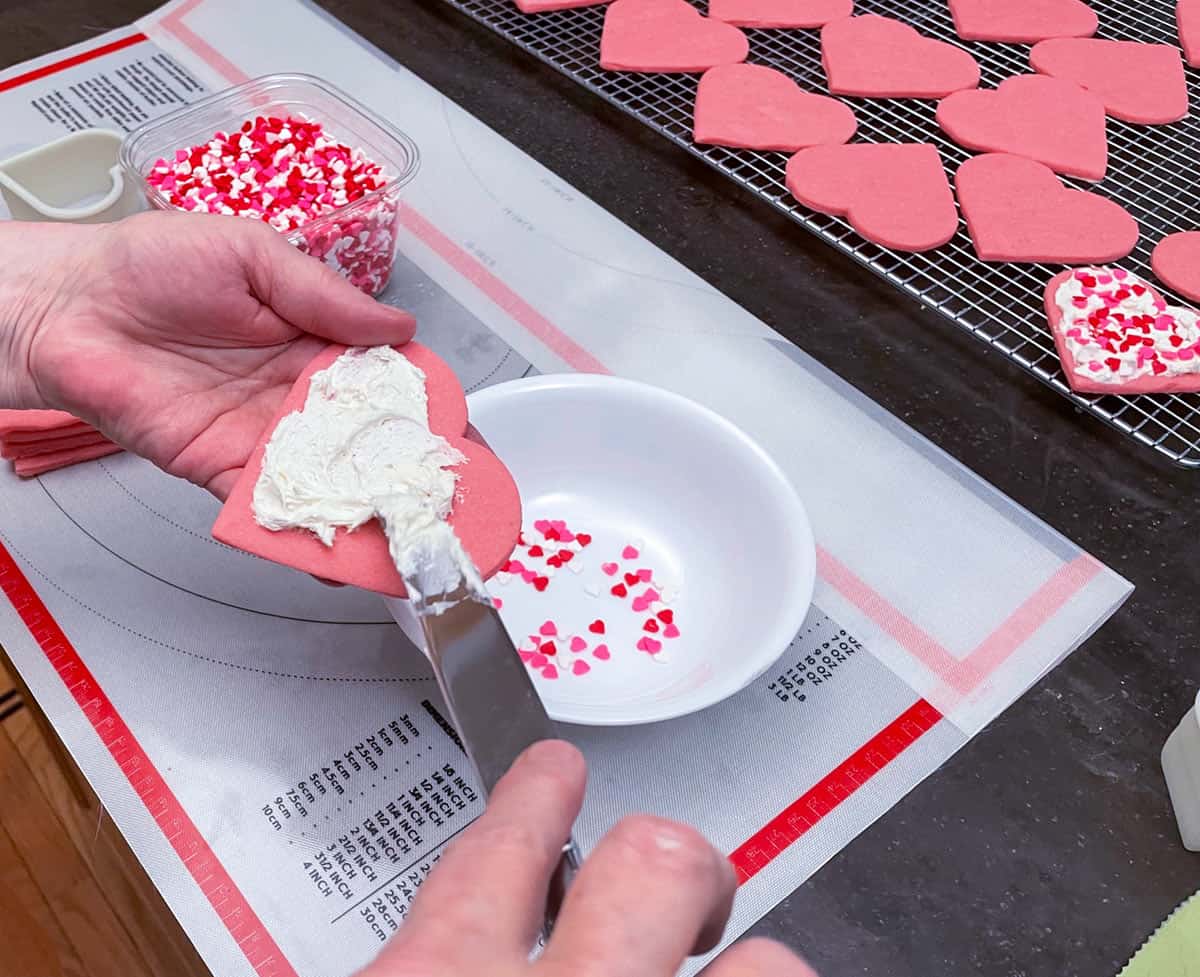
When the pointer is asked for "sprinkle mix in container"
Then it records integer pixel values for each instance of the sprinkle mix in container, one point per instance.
(293, 152)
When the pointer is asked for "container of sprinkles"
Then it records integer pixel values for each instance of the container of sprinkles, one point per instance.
(293, 152)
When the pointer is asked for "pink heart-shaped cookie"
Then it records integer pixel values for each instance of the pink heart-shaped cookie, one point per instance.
(1017, 210)
(541, 6)
(1047, 119)
(1187, 17)
(779, 13)
(1136, 82)
(666, 35)
(487, 509)
(750, 106)
(895, 194)
(1022, 21)
(1176, 261)
(1116, 334)
(880, 57)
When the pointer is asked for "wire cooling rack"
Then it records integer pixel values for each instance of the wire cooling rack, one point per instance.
(1152, 172)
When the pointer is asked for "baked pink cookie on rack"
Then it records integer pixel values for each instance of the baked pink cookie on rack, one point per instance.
(543, 6)
(1176, 262)
(1017, 210)
(1137, 82)
(895, 194)
(1115, 334)
(666, 35)
(1187, 18)
(779, 13)
(486, 515)
(751, 106)
(1022, 21)
(1046, 119)
(879, 57)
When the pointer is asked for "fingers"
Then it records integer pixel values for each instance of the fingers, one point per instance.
(759, 958)
(650, 894)
(482, 906)
(313, 297)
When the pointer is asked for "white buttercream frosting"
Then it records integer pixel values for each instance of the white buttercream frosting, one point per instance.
(361, 449)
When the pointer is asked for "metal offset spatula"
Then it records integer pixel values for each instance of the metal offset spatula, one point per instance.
(491, 698)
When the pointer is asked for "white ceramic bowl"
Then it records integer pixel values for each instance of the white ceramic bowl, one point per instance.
(715, 521)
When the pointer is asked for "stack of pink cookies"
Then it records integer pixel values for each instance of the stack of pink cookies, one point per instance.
(39, 441)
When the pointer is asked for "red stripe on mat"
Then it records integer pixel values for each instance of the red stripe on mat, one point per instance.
(218, 887)
(81, 58)
(818, 803)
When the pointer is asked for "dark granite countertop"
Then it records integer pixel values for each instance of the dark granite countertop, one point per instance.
(1046, 847)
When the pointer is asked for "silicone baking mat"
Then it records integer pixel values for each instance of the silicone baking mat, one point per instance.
(1152, 173)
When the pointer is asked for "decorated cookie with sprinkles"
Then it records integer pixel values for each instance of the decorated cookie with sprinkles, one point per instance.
(1116, 334)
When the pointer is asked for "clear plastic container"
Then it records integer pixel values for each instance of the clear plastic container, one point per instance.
(357, 240)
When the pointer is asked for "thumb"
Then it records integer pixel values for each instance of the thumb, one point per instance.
(314, 298)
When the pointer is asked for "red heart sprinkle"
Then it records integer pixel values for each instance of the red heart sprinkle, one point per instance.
(620, 591)
(651, 626)
(1113, 363)
(666, 616)
(536, 550)
(583, 539)
(555, 562)
(541, 583)
(631, 578)
(566, 556)
(596, 627)
(548, 648)
(552, 534)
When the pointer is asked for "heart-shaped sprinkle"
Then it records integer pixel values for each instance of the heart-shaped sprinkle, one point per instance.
(591, 590)
(578, 645)
(566, 555)
(583, 539)
(526, 656)
(554, 561)
(651, 626)
(514, 566)
(528, 576)
(641, 604)
(575, 568)
(499, 604)
(597, 626)
(609, 568)
(549, 629)
(549, 672)
(549, 648)
(652, 595)
(552, 535)
(649, 645)
(666, 616)
(539, 661)
(645, 575)
(620, 590)
(671, 631)
(602, 652)
(631, 579)
(581, 668)
(541, 583)
(542, 525)
(629, 553)
(536, 550)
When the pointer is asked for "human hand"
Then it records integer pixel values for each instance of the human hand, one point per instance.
(652, 893)
(178, 336)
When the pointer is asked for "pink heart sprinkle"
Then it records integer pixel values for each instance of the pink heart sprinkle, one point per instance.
(581, 668)
(640, 604)
(558, 524)
(629, 553)
(526, 656)
(528, 576)
(498, 602)
(649, 645)
(671, 631)
(549, 629)
(549, 672)
(645, 575)
(602, 652)
(539, 661)
(542, 525)
(609, 568)
(578, 645)
(652, 595)
(565, 535)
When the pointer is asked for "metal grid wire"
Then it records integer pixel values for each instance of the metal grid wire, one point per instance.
(1152, 172)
